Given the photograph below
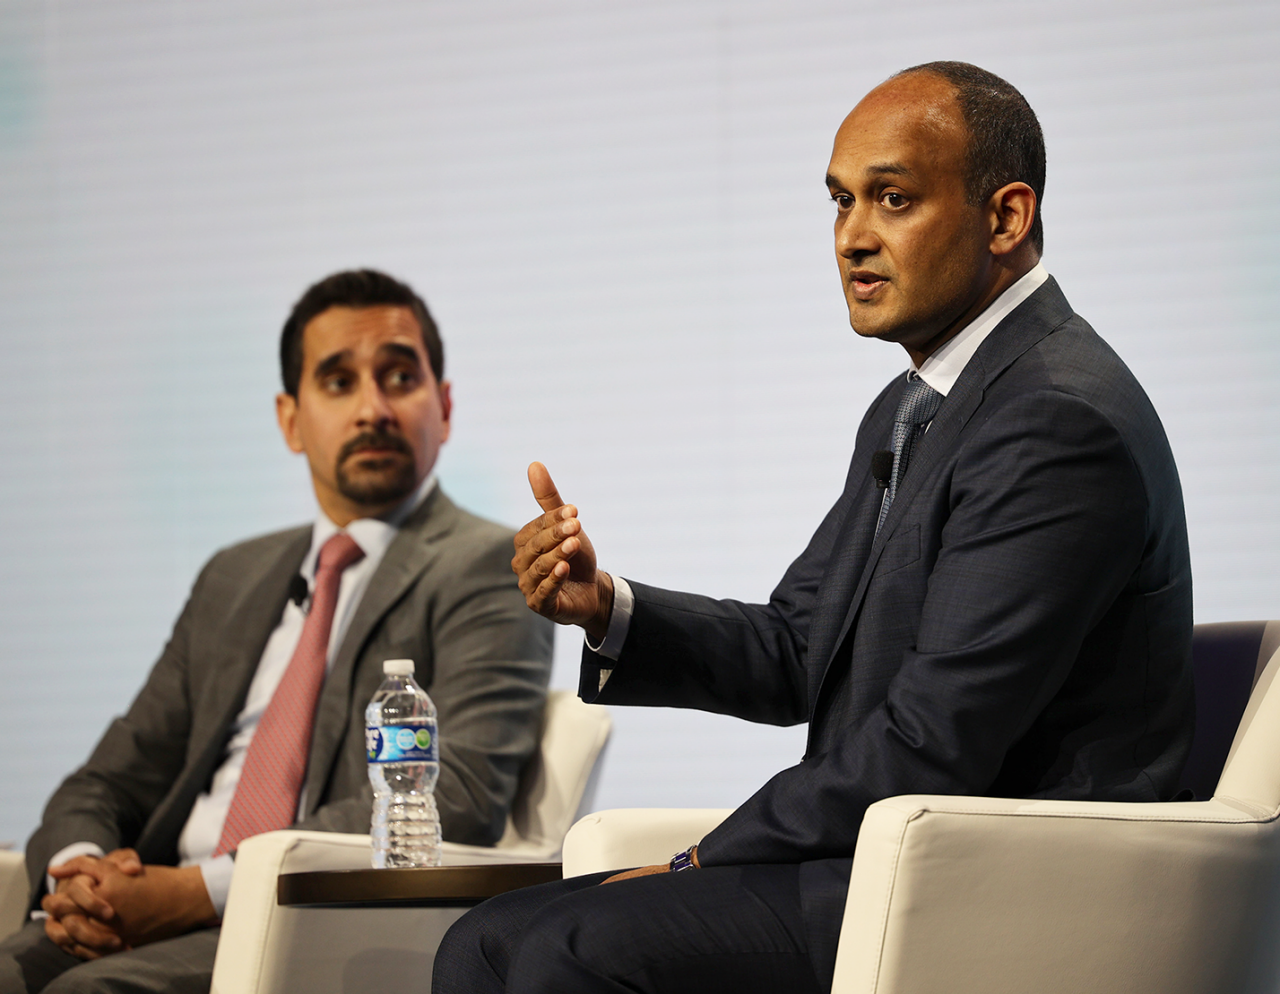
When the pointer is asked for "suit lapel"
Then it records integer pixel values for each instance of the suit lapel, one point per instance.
(835, 593)
(251, 618)
(1026, 325)
(410, 552)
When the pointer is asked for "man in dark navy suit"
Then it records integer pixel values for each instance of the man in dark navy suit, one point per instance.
(1009, 614)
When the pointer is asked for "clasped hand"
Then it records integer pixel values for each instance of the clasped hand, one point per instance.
(556, 563)
(109, 904)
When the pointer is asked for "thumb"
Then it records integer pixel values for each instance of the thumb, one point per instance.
(126, 861)
(544, 488)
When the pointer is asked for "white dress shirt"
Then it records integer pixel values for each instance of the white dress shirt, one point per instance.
(203, 829)
(940, 370)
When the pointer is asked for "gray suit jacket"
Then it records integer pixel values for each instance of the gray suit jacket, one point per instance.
(443, 595)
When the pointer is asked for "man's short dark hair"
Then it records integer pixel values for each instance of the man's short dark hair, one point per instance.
(355, 288)
(1006, 144)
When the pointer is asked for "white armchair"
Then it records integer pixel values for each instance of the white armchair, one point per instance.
(973, 895)
(13, 892)
(265, 948)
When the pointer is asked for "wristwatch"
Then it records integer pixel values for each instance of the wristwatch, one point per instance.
(684, 860)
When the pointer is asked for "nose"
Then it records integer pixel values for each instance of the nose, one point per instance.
(374, 409)
(855, 233)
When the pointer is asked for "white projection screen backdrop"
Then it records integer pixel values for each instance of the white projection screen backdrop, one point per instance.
(616, 212)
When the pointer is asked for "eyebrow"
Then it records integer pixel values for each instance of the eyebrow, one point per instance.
(889, 169)
(401, 351)
(327, 365)
(876, 169)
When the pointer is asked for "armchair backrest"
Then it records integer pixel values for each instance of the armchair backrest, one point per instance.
(1228, 658)
(559, 782)
(1252, 773)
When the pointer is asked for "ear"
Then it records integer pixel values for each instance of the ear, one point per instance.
(446, 407)
(287, 417)
(1012, 210)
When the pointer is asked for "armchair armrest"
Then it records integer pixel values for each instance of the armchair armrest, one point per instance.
(13, 892)
(626, 837)
(266, 948)
(969, 894)
(243, 961)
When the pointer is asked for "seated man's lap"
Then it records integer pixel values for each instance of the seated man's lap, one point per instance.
(738, 928)
(29, 962)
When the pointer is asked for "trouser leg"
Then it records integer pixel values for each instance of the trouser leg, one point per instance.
(29, 961)
(176, 966)
(738, 929)
(475, 953)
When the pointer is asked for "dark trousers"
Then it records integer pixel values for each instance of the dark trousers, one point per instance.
(29, 963)
(727, 928)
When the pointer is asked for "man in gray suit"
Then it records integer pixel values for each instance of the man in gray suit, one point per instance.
(138, 844)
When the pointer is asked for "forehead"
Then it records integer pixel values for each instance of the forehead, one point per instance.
(361, 331)
(913, 121)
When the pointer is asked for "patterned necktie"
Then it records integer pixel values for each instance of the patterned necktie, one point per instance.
(916, 409)
(266, 797)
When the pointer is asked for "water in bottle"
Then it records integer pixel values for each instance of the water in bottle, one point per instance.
(404, 761)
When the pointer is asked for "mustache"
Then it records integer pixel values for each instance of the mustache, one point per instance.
(373, 440)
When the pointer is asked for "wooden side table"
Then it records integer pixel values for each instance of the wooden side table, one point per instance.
(426, 887)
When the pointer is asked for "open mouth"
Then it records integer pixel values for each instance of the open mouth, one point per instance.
(865, 284)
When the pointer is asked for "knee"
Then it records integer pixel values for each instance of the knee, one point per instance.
(563, 949)
(77, 981)
(472, 956)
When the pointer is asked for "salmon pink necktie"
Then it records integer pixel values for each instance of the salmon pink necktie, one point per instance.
(266, 797)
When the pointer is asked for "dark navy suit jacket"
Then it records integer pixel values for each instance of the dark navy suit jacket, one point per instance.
(1020, 626)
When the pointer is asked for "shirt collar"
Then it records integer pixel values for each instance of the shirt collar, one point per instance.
(943, 367)
(373, 535)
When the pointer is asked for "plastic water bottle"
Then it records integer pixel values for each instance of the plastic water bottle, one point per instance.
(404, 761)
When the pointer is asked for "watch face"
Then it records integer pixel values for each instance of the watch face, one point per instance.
(683, 861)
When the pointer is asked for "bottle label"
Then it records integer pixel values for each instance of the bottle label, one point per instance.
(401, 744)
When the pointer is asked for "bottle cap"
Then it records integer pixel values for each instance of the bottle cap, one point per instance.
(398, 667)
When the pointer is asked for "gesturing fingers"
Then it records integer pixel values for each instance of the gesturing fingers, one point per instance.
(542, 581)
(543, 535)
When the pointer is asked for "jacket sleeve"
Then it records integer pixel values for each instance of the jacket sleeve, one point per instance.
(131, 770)
(1046, 528)
(745, 660)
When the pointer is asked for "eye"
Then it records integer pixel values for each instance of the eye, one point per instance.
(336, 383)
(842, 201)
(893, 200)
(401, 379)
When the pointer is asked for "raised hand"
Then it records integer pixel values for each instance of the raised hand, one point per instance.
(556, 563)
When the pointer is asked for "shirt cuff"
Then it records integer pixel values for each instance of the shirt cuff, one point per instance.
(624, 602)
(217, 879)
(66, 855)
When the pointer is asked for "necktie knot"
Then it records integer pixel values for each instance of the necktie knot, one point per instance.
(919, 402)
(339, 552)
